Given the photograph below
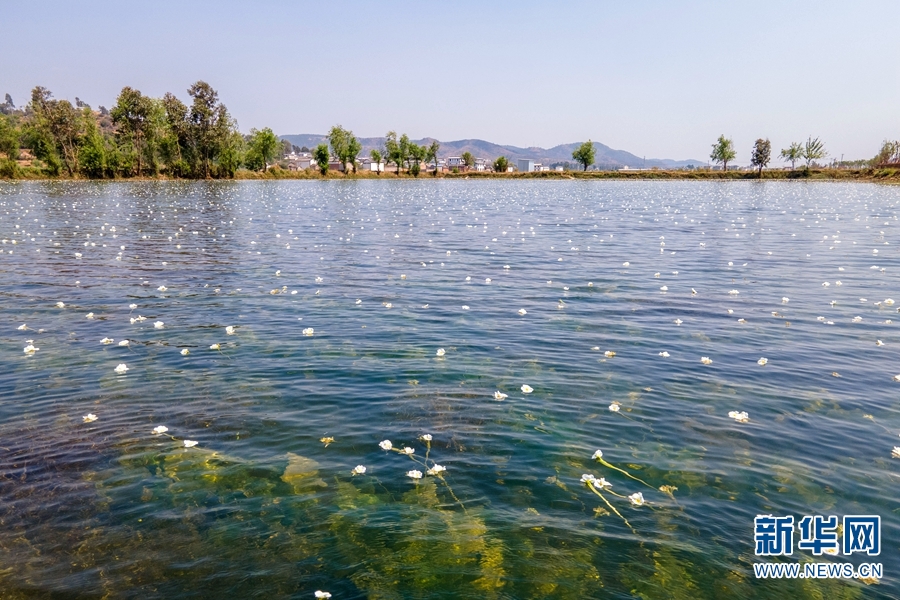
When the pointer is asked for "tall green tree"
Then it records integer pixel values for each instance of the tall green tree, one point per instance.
(210, 122)
(762, 154)
(344, 146)
(501, 164)
(376, 157)
(417, 154)
(468, 159)
(262, 147)
(131, 115)
(231, 154)
(322, 157)
(404, 149)
(723, 152)
(431, 154)
(92, 152)
(177, 148)
(792, 153)
(57, 129)
(392, 150)
(585, 154)
(353, 150)
(813, 149)
(9, 137)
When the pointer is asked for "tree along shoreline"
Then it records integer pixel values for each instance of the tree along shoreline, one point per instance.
(871, 174)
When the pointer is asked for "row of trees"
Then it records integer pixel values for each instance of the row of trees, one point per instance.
(139, 135)
(723, 152)
(402, 152)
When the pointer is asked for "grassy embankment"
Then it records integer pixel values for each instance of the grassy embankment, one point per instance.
(886, 175)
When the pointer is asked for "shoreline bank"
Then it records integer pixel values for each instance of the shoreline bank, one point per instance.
(866, 175)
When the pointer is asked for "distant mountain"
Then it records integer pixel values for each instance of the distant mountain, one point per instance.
(606, 157)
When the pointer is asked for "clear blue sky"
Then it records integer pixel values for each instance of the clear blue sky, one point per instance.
(657, 78)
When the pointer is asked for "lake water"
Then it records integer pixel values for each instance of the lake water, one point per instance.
(383, 274)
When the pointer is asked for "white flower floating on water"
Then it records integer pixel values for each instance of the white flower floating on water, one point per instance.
(498, 395)
(124, 343)
(121, 368)
(889, 302)
(385, 445)
(407, 451)
(856, 319)
(159, 325)
(436, 470)
(609, 354)
(189, 443)
(706, 360)
(523, 312)
(664, 354)
(309, 331)
(89, 418)
(440, 352)
(526, 389)
(465, 307)
(762, 362)
(358, 470)
(414, 474)
(626, 264)
(597, 455)
(678, 321)
(160, 429)
(185, 352)
(215, 347)
(664, 288)
(229, 330)
(162, 288)
(588, 478)
(614, 407)
(740, 417)
(896, 452)
(358, 301)
(319, 280)
(785, 300)
(132, 306)
(89, 316)
(107, 340)
(879, 343)
(22, 327)
(637, 499)
(425, 437)
(30, 349)
(321, 594)
(734, 292)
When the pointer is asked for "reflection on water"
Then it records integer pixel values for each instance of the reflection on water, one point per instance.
(312, 313)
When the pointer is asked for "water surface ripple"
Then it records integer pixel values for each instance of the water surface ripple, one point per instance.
(386, 273)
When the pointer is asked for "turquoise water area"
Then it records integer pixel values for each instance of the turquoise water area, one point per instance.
(340, 295)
